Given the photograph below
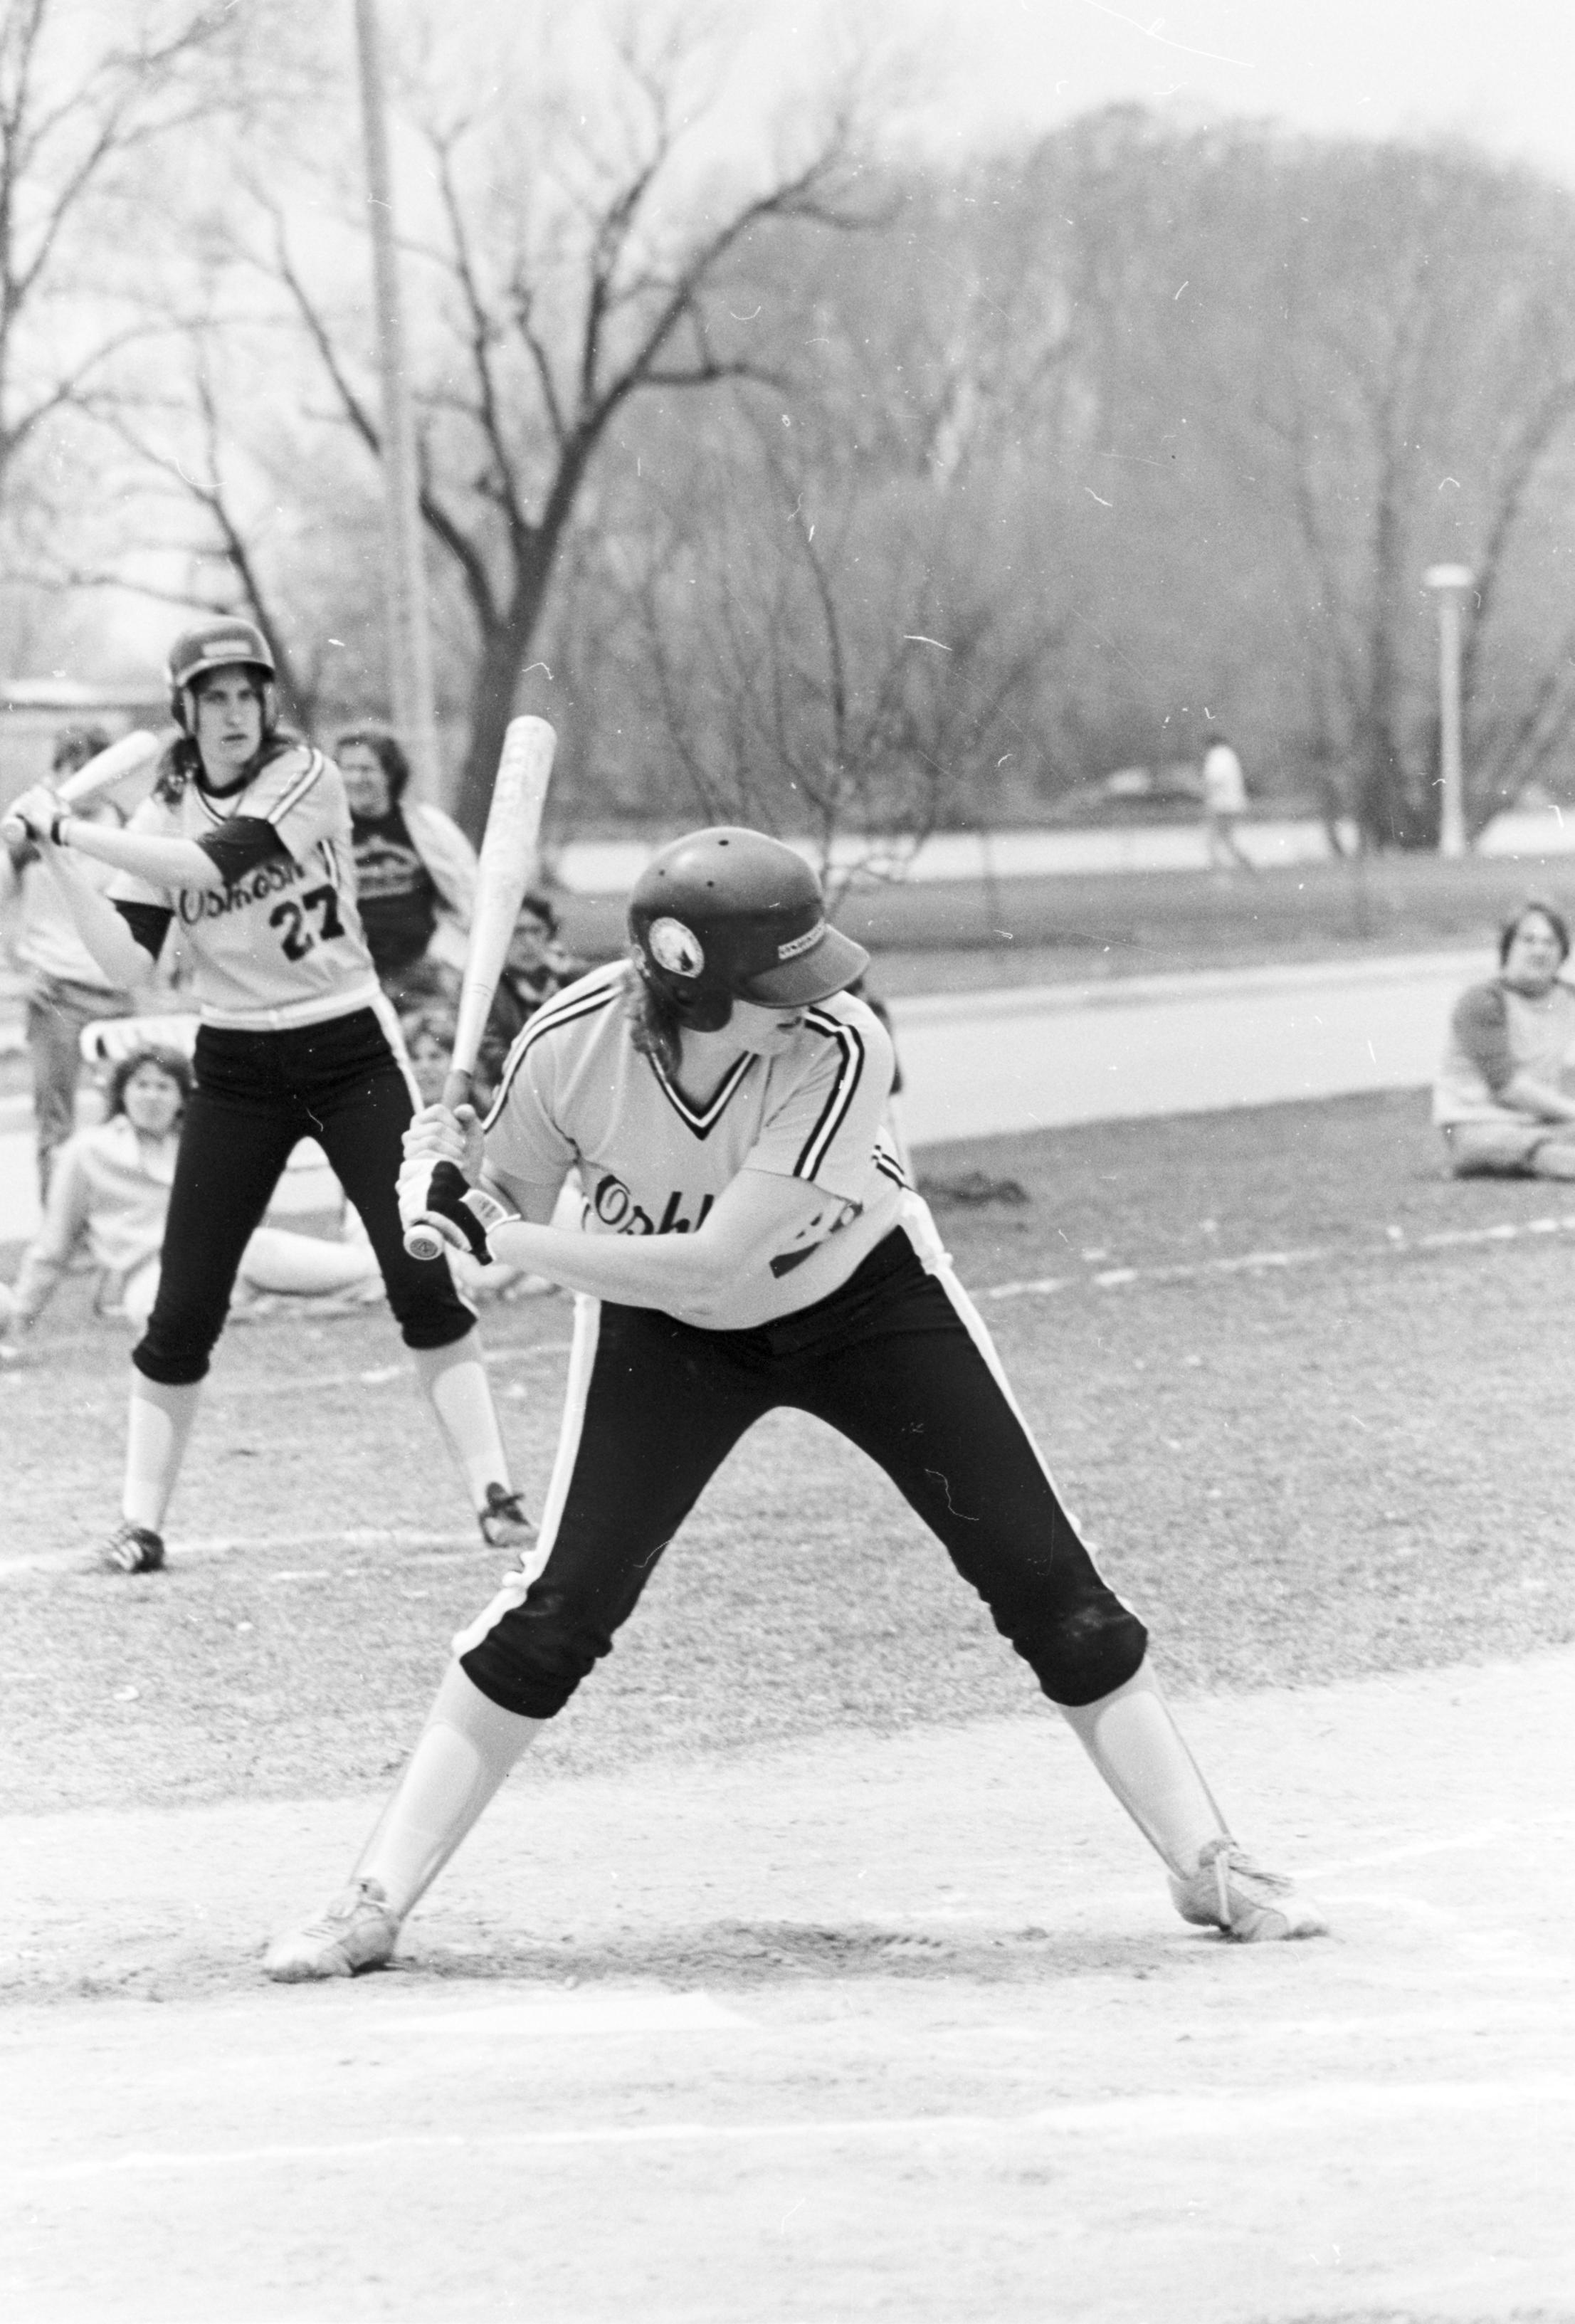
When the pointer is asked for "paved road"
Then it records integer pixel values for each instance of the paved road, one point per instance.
(611, 867)
(982, 1064)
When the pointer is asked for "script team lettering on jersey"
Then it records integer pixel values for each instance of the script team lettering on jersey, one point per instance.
(578, 1094)
(283, 943)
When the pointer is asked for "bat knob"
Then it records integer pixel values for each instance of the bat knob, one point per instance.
(424, 1242)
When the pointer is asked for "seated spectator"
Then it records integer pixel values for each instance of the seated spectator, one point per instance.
(429, 1045)
(415, 873)
(110, 1190)
(534, 967)
(1504, 1096)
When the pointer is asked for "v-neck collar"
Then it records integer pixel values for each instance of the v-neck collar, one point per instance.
(702, 1119)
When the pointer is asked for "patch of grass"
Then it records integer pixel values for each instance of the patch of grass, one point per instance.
(1297, 1473)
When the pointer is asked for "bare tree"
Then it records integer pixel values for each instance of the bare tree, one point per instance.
(84, 95)
(824, 659)
(562, 296)
(231, 499)
(1415, 395)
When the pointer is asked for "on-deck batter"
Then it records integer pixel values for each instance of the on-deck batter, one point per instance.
(245, 843)
(751, 1240)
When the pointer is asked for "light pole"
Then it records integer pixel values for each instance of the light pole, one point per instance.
(1449, 584)
(410, 645)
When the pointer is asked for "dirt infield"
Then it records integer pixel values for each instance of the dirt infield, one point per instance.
(865, 2029)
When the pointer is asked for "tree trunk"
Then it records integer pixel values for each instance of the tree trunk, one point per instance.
(506, 643)
(492, 706)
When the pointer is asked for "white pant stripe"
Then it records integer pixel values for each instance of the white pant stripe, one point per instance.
(587, 1333)
(940, 1266)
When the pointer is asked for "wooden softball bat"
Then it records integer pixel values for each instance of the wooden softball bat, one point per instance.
(508, 858)
(129, 756)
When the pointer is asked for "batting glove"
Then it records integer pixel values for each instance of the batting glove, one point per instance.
(437, 1194)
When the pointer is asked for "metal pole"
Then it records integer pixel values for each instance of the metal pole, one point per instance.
(1450, 583)
(410, 647)
(1451, 832)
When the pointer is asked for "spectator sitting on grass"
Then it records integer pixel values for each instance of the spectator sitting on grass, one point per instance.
(110, 1190)
(429, 1045)
(1504, 1096)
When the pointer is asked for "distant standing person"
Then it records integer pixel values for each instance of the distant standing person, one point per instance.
(1224, 804)
(415, 871)
(246, 842)
(1504, 1096)
(65, 987)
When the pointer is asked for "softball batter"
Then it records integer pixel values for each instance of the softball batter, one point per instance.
(751, 1240)
(245, 843)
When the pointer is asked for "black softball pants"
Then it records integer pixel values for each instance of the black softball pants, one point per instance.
(257, 1095)
(898, 1362)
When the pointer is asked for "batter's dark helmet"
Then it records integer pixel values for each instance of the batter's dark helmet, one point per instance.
(218, 644)
(729, 915)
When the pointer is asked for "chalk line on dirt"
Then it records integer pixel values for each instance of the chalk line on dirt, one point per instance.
(1151, 2115)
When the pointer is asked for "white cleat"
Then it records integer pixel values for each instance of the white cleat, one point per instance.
(357, 1932)
(1226, 1890)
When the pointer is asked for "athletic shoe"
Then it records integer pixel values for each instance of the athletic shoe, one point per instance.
(504, 1522)
(1228, 1891)
(133, 1549)
(357, 1932)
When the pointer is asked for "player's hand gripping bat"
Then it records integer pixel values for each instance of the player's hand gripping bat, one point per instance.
(124, 759)
(507, 857)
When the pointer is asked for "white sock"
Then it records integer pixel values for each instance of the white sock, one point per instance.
(158, 1425)
(460, 1395)
(1137, 1745)
(463, 1755)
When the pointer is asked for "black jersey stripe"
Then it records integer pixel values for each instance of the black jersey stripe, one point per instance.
(890, 1168)
(567, 1009)
(703, 1120)
(850, 1071)
(299, 788)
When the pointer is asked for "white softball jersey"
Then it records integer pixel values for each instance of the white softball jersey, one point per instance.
(652, 1160)
(283, 945)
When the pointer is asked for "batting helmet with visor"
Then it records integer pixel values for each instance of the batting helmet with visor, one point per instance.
(729, 915)
(220, 644)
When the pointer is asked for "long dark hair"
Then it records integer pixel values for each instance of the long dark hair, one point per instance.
(181, 762)
(656, 1027)
(171, 1062)
(1512, 928)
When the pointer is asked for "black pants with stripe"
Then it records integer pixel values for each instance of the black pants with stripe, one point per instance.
(893, 1361)
(257, 1095)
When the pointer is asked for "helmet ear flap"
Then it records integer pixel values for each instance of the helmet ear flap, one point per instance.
(705, 1009)
(704, 1012)
(184, 704)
